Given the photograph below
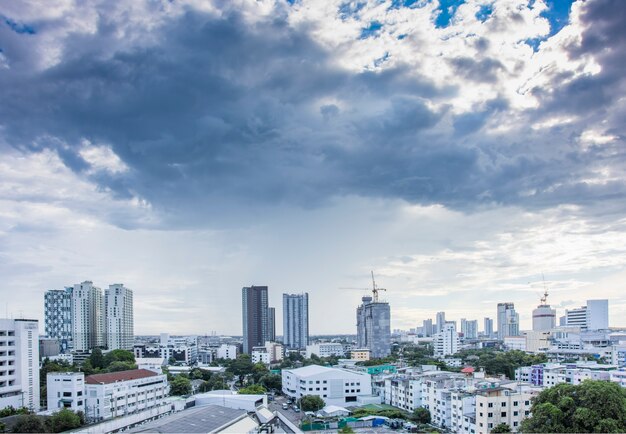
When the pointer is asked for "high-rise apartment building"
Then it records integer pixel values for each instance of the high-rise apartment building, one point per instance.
(19, 363)
(446, 342)
(58, 316)
(374, 327)
(593, 316)
(441, 321)
(257, 318)
(508, 320)
(119, 317)
(271, 324)
(427, 328)
(88, 317)
(469, 328)
(488, 327)
(296, 320)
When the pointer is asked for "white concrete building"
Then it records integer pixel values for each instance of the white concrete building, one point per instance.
(88, 317)
(446, 342)
(226, 351)
(325, 349)
(502, 405)
(154, 364)
(19, 363)
(515, 343)
(119, 317)
(508, 320)
(271, 352)
(335, 386)
(593, 316)
(65, 390)
(122, 393)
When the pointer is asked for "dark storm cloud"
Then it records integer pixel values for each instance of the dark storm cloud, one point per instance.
(219, 110)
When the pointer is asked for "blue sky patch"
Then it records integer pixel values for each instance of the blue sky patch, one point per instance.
(557, 14)
(371, 30)
(484, 12)
(447, 9)
(350, 9)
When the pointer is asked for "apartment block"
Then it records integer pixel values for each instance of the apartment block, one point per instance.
(58, 317)
(118, 301)
(66, 390)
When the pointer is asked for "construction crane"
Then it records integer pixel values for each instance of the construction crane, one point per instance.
(544, 297)
(374, 289)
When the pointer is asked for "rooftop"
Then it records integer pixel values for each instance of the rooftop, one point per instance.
(194, 420)
(114, 377)
(311, 370)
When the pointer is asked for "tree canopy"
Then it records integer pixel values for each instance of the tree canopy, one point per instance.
(311, 403)
(254, 389)
(180, 385)
(592, 406)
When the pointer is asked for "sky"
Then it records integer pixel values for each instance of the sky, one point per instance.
(460, 149)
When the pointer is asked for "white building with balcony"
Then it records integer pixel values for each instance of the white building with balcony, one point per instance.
(121, 393)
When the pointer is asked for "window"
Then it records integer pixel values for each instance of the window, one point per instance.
(489, 414)
(515, 413)
(515, 403)
(503, 414)
(490, 405)
(504, 404)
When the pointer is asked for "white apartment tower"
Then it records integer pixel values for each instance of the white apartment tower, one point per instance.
(58, 316)
(593, 316)
(446, 342)
(441, 321)
(88, 314)
(508, 320)
(119, 317)
(19, 363)
(296, 320)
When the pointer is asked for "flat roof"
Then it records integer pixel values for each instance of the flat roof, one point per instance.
(114, 377)
(203, 419)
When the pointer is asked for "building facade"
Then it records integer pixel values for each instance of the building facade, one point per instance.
(121, 393)
(446, 342)
(544, 318)
(488, 327)
(88, 317)
(296, 320)
(119, 317)
(257, 318)
(374, 327)
(65, 390)
(58, 316)
(508, 320)
(325, 349)
(593, 316)
(19, 363)
(441, 320)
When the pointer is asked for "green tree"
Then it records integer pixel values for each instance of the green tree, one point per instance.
(500, 428)
(253, 389)
(258, 371)
(121, 366)
(346, 430)
(241, 367)
(592, 406)
(3, 427)
(64, 420)
(29, 423)
(180, 385)
(421, 415)
(311, 403)
(118, 356)
(12, 411)
(272, 381)
(96, 358)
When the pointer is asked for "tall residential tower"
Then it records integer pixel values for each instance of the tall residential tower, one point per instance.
(58, 316)
(257, 318)
(296, 320)
(88, 317)
(119, 317)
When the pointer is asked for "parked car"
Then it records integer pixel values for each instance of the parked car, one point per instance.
(285, 406)
(296, 409)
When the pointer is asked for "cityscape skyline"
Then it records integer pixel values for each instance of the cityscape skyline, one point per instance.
(459, 150)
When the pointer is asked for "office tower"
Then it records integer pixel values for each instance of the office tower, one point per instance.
(19, 363)
(271, 324)
(446, 342)
(470, 329)
(441, 320)
(256, 317)
(373, 320)
(488, 327)
(544, 318)
(58, 316)
(88, 317)
(427, 327)
(119, 317)
(593, 316)
(296, 320)
(508, 320)
(463, 326)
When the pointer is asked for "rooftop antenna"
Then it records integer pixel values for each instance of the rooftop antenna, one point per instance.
(544, 297)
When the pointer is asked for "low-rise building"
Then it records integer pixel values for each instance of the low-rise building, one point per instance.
(66, 390)
(120, 393)
(325, 349)
(271, 352)
(501, 405)
(335, 386)
(360, 354)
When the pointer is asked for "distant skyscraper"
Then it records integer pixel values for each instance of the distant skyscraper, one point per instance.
(374, 327)
(441, 320)
(593, 316)
(58, 316)
(488, 327)
(19, 363)
(427, 327)
(463, 326)
(296, 320)
(508, 320)
(271, 324)
(469, 328)
(256, 315)
(88, 317)
(119, 317)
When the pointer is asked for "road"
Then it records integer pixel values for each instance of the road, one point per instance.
(277, 405)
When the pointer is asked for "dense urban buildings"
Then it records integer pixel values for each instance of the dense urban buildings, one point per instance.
(19, 363)
(258, 320)
(508, 320)
(296, 320)
(374, 327)
(119, 317)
